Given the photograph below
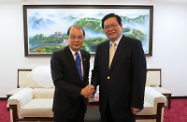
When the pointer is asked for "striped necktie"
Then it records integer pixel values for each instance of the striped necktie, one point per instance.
(78, 63)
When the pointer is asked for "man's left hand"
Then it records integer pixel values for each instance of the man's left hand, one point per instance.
(135, 110)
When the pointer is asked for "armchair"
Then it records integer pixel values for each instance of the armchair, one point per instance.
(34, 101)
(154, 79)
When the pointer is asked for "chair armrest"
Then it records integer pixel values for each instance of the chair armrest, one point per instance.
(21, 98)
(12, 92)
(154, 97)
(162, 90)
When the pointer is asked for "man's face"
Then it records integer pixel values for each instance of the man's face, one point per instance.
(112, 29)
(75, 38)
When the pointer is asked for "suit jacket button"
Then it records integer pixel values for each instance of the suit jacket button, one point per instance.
(108, 77)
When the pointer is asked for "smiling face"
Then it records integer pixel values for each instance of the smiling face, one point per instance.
(75, 38)
(112, 28)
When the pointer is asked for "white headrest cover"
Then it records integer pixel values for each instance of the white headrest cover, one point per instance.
(42, 75)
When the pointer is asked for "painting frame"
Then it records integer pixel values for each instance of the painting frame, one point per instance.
(30, 34)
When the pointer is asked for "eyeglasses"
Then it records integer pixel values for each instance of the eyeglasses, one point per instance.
(113, 25)
(74, 37)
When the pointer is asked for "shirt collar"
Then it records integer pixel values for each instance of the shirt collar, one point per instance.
(73, 52)
(116, 41)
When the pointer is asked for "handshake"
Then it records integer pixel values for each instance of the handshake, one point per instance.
(88, 91)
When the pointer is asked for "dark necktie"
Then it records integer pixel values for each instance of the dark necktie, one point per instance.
(78, 63)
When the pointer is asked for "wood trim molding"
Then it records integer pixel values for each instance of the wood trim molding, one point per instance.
(3, 98)
(179, 97)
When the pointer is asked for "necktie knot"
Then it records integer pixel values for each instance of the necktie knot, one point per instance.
(78, 64)
(77, 55)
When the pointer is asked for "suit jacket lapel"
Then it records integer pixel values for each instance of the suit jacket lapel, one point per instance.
(106, 51)
(70, 57)
(84, 59)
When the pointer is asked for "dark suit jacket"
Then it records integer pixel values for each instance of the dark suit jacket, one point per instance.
(122, 84)
(67, 98)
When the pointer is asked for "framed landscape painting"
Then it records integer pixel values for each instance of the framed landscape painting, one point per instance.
(45, 26)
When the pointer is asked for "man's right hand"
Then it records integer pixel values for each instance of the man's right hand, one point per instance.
(88, 91)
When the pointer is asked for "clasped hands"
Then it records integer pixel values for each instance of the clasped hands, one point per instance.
(88, 91)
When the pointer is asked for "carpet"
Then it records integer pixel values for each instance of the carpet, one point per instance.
(4, 114)
(177, 112)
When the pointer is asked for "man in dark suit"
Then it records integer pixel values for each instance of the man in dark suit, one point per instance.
(70, 79)
(122, 79)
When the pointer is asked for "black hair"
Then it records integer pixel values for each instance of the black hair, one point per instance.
(118, 18)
